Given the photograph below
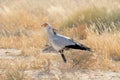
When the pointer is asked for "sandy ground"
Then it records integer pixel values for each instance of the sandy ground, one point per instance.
(74, 75)
(57, 74)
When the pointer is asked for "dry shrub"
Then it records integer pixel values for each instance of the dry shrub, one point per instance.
(106, 43)
(106, 51)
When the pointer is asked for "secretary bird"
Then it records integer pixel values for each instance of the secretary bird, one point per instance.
(60, 42)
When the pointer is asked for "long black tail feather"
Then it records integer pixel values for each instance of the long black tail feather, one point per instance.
(63, 57)
(78, 46)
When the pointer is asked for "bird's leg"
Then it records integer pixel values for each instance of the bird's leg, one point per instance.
(63, 56)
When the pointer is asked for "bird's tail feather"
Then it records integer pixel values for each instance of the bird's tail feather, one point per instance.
(63, 57)
(79, 46)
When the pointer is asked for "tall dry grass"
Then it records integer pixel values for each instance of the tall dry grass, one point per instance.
(94, 23)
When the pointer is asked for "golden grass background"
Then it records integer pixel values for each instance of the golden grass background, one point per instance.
(95, 23)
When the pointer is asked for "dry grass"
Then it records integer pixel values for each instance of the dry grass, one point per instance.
(93, 23)
(106, 51)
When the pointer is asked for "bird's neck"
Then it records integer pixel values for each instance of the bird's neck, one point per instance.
(50, 32)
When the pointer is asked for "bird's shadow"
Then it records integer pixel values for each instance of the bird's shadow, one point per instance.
(49, 49)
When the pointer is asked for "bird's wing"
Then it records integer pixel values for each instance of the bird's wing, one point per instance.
(62, 41)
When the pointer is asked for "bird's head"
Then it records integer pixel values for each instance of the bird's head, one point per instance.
(45, 25)
(49, 28)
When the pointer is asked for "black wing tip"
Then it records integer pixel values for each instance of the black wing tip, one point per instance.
(79, 46)
(88, 49)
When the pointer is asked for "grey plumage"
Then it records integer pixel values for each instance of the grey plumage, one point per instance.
(60, 42)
